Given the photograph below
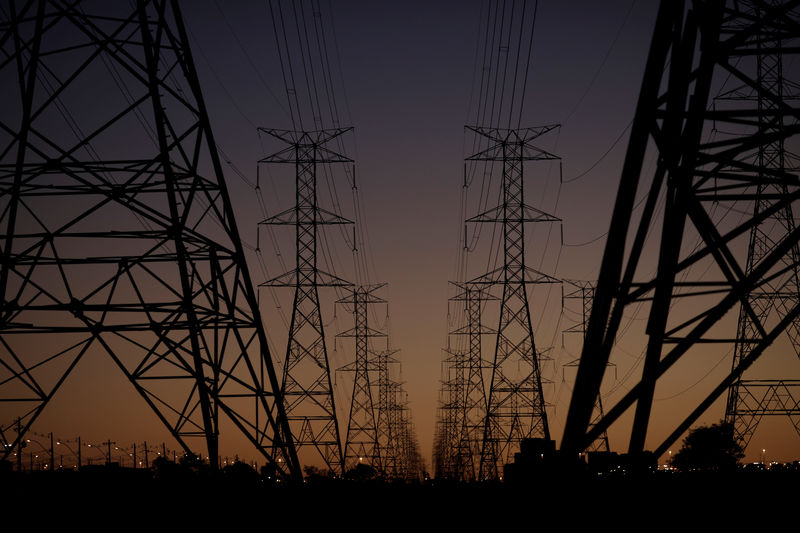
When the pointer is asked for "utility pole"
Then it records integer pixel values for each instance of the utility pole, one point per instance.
(108, 444)
(307, 384)
(515, 402)
(20, 444)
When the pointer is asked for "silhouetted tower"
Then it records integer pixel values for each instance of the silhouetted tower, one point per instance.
(388, 428)
(749, 399)
(451, 411)
(118, 234)
(361, 445)
(439, 444)
(584, 291)
(408, 459)
(306, 386)
(515, 402)
(701, 172)
(469, 432)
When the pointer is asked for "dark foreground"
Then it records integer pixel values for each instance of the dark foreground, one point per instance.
(112, 499)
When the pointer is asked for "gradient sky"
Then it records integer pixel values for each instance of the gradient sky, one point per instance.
(408, 70)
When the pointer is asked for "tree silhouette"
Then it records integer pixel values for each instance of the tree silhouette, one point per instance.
(709, 448)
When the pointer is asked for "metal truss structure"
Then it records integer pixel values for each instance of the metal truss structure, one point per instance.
(696, 173)
(758, 398)
(390, 463)
(449, 415)
(515, 402)
(584, 292)
(465, 411)
(306, 385)
(399, 450)
(749, 400)
(361, 444)
(118, 233)
(408, 461)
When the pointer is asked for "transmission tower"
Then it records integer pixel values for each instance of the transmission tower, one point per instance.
(408, 459)
(388, 434)
(306, 385)
(515, 403)
(451, 412)
(469, 432)
(697, 178)
(118, 233)
(361, 445)
(748, 399)
(584, 292)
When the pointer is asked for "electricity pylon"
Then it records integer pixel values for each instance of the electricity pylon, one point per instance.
(699, 176)
(584, 291)
(515, 402)
(748, 399)
(388, 435)
(118, 233)
(361, 444)
(306, 385)
(472, 418)
(451, 413)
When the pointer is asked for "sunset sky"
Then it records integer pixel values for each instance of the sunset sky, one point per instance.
(408, 70)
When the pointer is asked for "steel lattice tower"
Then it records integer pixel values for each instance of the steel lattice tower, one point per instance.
(451, 413)
(306, 385)
(361, 445)
(584, 291)
(696, 176)
(388, 433)
(408, 460)
(515, 402)
(469, 433)
(749, 400)
(118, 234)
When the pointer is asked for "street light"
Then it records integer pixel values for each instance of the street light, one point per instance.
(44, 449)
(100, 450)
(77, 456)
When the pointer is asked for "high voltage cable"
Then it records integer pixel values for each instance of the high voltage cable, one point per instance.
(243, 49)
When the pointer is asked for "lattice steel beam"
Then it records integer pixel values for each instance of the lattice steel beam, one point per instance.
(118, 234)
